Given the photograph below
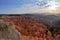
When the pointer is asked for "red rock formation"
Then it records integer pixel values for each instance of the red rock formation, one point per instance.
(56, 32)
(29, 27)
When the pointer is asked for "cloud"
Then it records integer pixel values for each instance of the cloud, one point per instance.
(26, 8)
(32, 8)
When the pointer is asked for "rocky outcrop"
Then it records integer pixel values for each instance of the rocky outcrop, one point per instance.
(56, 31)
(8, 31)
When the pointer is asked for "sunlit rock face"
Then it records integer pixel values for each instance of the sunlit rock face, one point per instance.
(29, 27)
(8, 31)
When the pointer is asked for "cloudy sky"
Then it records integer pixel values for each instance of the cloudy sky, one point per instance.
(29, 6)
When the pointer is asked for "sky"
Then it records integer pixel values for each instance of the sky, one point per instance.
(29, 6)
